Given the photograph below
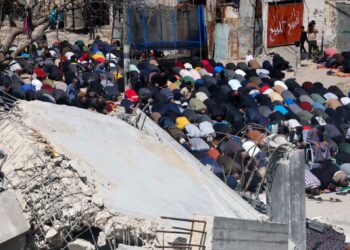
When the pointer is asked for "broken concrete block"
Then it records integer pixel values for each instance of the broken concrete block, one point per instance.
(15, 182)
(125, 247)
(52, 236)
(80, 244)
(98, 200)
(85, 189)
(76, 209)
(101, 218)
(50, 233)
(57, 161)
(66, 181)
(101, 240)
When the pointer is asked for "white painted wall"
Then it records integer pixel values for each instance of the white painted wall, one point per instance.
(319, 11)
(314, 10)
(323, 14)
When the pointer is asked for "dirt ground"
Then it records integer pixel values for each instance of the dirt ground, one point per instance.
(309, 72)
(335, 213)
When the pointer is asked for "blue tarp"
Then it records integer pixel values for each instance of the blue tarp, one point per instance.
(166, 27)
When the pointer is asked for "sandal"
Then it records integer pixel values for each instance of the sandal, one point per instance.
(341, 193)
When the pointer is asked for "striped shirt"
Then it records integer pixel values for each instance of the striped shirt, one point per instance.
(311, 180)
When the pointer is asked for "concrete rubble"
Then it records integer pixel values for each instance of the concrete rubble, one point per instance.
(80, 244)
(60, 203)
(74, 185)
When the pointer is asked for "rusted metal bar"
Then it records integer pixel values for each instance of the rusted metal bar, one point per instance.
(164, 247)
(191, 230)
(181, 244)
(180, 219)
(171, 232)
(192, 225)
(174, 245)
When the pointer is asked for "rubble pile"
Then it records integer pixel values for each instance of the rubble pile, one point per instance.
(61, 205)
(82, 178)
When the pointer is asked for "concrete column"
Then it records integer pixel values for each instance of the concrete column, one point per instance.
(285, 195)
(246, 27)
(297, 221)
(126, 47)
(211, 22)
(265, 13)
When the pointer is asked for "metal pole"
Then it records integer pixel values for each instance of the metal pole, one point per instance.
(114, 10)
(73, 14)
(126, 47)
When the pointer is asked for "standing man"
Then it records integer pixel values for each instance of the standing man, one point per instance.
(303, 39)
(53, 17)
(92, 25)
(60, 18)
(7, 8)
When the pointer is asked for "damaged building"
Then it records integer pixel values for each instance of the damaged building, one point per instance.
(81, 187)
(234, 29)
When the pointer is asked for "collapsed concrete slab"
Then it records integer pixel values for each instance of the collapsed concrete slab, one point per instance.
(76, 172)
(134, 173)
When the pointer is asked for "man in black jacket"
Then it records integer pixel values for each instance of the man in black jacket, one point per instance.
(303, 39)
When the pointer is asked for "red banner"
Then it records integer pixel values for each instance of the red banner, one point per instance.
(284, 22)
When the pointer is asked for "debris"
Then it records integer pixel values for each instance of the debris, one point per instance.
(125, 247)
(80, 244)
(52, 236)
(60, 202)
(78, 189)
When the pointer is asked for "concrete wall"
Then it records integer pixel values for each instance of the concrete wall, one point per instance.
(221, 41)
(246, 27)
(237, 234)
(323, 12)
(225, 34)
(285, 194)
(226, 39)
(17, 243)
(343, 26)
(331, 17)
(13, 225)
(231, 234)
(314, 10)
(12, 220)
